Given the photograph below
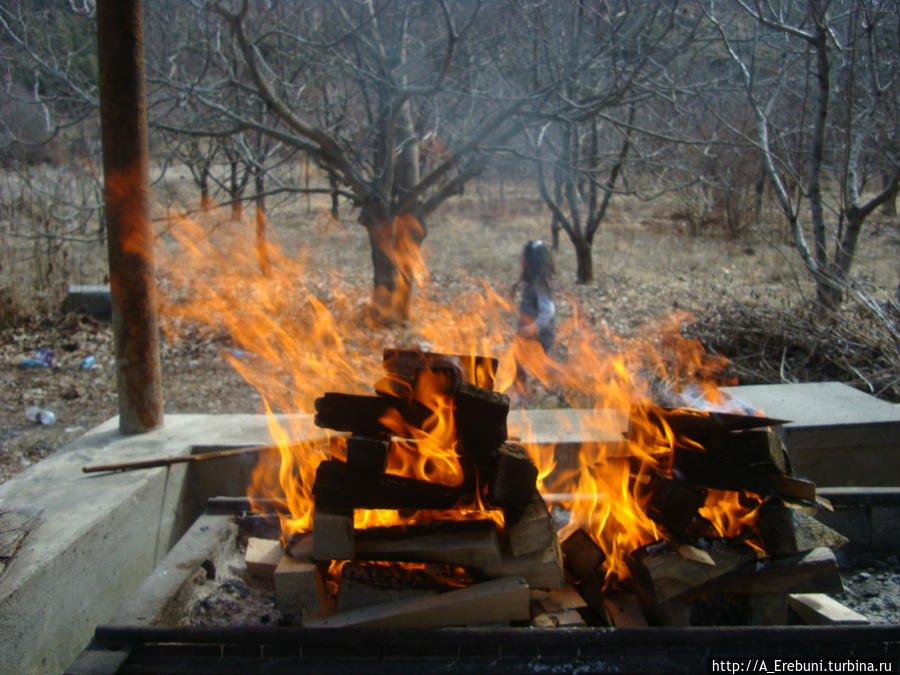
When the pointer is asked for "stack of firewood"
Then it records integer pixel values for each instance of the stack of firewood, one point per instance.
(782, 558)
(485, 572)
(463, 572)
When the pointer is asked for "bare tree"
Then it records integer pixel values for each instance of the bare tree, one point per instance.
(822, 81)
(51, 188)
(606, 65)
(356, 87)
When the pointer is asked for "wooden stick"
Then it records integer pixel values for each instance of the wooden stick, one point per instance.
(168, 461)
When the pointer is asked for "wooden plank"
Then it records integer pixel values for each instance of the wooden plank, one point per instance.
(786, 530)
(333, 536)
(530, 529)
(541, 569)
(364, 584)
(662, 572)
(793, 488)
(503, 599)
(820, 609)
(813, 572)
(761, 449)
(567, 618)
(688, 421)
(262, 557)
(298, 586)
(695, 553)
(623, 610)
(473, 544)
(561, 599)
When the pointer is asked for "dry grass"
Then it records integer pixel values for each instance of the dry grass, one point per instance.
(748, 294)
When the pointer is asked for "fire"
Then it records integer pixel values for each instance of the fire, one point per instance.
(303, 331)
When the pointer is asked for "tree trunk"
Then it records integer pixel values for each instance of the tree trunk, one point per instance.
(262, 252)
(393, 271)
(205, 201)
(333, 182)
(394, 241)
(889, 207)
(584, 264)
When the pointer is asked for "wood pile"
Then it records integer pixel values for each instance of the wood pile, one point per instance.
(453, 571)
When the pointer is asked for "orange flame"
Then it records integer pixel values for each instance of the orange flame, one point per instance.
(306, 333)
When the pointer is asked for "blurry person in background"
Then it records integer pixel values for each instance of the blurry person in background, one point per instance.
(537, 312)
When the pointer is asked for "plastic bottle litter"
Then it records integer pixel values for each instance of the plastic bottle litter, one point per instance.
(88, 363)
(39, 416)
(42, 358)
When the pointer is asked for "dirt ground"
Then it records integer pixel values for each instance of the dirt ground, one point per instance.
(646, 266)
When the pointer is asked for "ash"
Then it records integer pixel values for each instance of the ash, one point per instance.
(872, 588)
(228, 596)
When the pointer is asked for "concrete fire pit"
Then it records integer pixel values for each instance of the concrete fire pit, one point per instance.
(96, 537)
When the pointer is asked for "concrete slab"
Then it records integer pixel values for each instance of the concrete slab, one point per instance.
(838, 435)
(99, 535)
(566, 426)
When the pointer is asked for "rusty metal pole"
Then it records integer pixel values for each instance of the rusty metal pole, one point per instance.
(123, 117)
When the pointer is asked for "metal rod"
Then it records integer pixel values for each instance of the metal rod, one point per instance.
(123, 117)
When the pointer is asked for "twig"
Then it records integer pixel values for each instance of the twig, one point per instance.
(167, 461)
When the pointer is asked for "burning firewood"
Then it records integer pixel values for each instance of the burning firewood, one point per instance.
(583, 558)
(471, 544)
(405, 364)
(703, 469)
(531, 528)
(673, 503)
(513, 482)
(688, 422)
(364, 583)
(367, 456)
(362, 415)
(759, 449)
(338, 488)
(480, 416)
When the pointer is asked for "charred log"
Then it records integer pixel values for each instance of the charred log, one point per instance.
(481, 425)
(338, 488)
(362, 414)
(513, 482)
